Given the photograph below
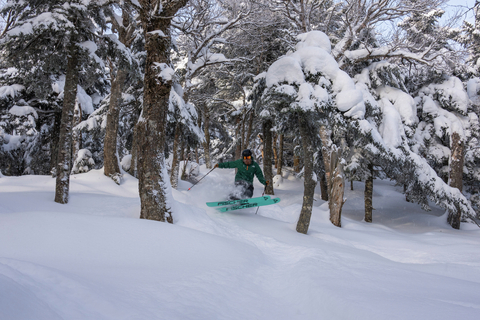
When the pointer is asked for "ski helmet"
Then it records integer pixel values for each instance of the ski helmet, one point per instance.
(246, 153)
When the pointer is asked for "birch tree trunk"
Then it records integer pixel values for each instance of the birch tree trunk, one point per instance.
(156, 16)
(110, 156)
(267, 151)
(369, 195)
(309, 184)
(456, 174)
(64, 157)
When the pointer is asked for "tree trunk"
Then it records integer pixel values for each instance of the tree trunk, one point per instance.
(323, 187)
(309, 184)
(267, 152)
(238, 135)
(76, 135)
(275, 150)
(174, 172)
(351, 185)
(249, 130)
(186, 156)
(337, 189)
(133, 164)
(326, 146)
(110, 157)
(280, 156)
(152, 183)
(456, 174)
(206, 143)
(369, 195)
(64, 157)
(55, 141)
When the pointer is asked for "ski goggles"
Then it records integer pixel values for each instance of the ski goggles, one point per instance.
(247, 157)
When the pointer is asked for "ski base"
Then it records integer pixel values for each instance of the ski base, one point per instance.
(250, 205)
(237, 202)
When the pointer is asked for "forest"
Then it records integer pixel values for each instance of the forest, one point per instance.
(330, 91)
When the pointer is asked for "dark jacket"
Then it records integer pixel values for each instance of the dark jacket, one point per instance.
(245, 172)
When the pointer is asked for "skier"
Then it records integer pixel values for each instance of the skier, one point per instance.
(247, 168)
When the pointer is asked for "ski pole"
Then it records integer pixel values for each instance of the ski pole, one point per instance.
(193, 185)
(263, 193)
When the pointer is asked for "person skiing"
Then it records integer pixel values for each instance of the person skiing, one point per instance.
(247, 168)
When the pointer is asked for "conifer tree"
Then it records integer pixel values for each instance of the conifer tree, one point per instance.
(69, 28)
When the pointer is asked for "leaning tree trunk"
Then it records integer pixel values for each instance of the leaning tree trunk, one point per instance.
(64, 157)
(206, 143)
(110, 156)
(268, 152)
(174, 171)
(156, 18)
(369, 194)
(456, 175)
(309, 184)
(133, 163)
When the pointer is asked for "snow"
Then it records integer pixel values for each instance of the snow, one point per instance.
(286, 69)
(314, 39)
(402, 101)
(21, 111)
(93, 258)
(11, 91)
(312, 57)
(391, 126)
(84, 100)
(165, 72)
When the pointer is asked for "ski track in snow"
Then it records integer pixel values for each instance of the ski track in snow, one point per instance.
(94, 259)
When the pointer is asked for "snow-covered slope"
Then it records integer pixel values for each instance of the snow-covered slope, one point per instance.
(94, 259)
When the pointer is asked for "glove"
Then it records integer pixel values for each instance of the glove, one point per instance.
(216, 165)
(267, 182)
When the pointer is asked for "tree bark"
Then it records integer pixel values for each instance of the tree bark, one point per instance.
(55, 142)
(267, 151)
(337, 189)
(249, 130)
(76, 135)
(326, 154)
(152, 182)
(275, 150)
(456, 174)
(64, 157)
(323, 187)
(110, 156)
(280, 156)
(369, 195)
(206, 143)
(238, 135)
(309, 184)
(174, 172)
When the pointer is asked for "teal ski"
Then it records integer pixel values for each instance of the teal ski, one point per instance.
(259, 203)
(238, 202)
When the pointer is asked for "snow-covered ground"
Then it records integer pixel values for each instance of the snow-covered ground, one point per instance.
(95, 259)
